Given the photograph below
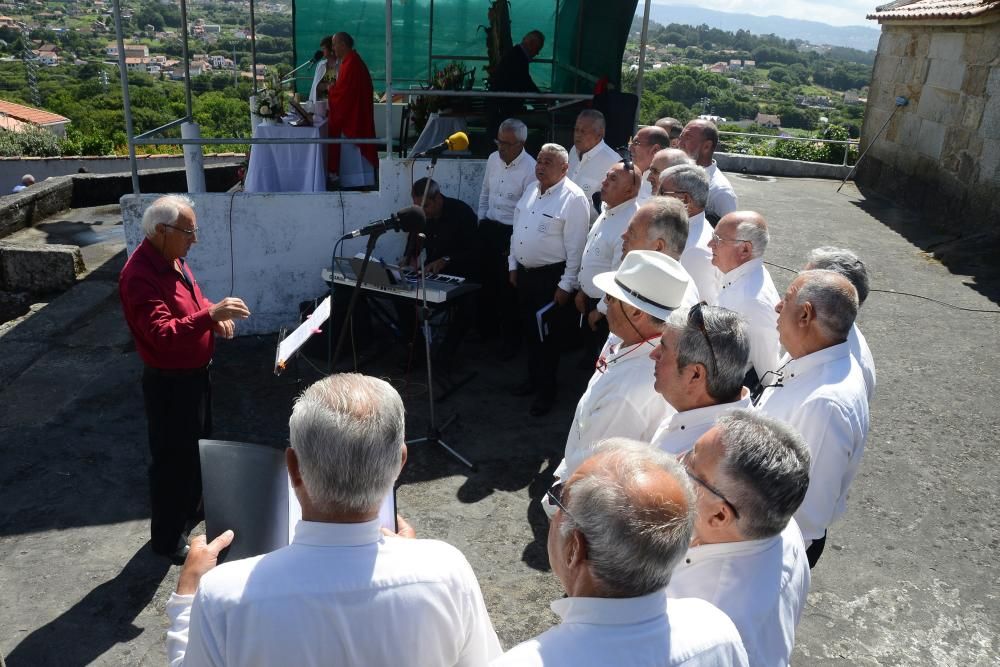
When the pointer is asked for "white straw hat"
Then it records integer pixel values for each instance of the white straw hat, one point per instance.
(647, 280)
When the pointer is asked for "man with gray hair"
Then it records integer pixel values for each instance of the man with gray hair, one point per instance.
(550, 229)
(819, 390)
(661, 224)
(589, 157)
(689, 184)
(738, 244)
(618, 526)
(847, 264)
(26, 182)
(663, 160)
(747, 556)
(174, 327)
(699, 139)
(509, 172)
(317, 600)
(700, 364)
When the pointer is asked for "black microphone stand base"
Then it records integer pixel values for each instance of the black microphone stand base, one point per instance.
(433, 437)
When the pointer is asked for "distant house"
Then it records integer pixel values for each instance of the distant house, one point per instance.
(718, 68)
(747, 64)
(735, 64)
(18, 117)
(767, 120)
(851, 97)
(47, 57)
(940, 150)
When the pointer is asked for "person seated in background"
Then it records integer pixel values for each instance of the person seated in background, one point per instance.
(673, 127)
(26, 181)
(747, 556)
(738, 244)
(351, 115)
(322, 599)
(326, 71)
(618, 527)
(700, 364)
(620, 399)
(589, 157)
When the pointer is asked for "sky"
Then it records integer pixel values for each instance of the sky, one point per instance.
(834, 12)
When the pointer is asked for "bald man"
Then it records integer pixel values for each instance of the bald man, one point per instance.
(663, 160)
(699, 140)
(646, 143)
(673, 127)
(819, 389)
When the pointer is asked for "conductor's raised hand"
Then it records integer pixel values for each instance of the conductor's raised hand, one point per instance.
(230, 308)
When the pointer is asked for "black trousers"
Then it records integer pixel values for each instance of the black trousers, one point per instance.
(498, 309)
(178, 413)
(815, 550)
(535, 289)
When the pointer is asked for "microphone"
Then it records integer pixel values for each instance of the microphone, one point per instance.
(456, 142)
(409, 219)
(315, 59)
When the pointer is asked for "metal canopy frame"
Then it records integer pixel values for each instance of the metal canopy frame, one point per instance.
(147, 138)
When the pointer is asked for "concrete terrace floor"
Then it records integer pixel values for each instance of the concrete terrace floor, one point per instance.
(910, 576)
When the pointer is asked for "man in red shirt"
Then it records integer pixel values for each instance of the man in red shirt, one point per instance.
(351, 115)
(173, 325)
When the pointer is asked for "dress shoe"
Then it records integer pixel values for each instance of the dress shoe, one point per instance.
(177, 556)
(523, 389)
(541, 407)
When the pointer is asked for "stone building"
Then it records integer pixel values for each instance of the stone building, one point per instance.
(942, 150)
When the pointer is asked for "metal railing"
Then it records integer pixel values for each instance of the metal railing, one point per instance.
(847, 143)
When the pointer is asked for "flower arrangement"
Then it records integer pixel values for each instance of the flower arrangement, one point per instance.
(452, 76)
(270, 101)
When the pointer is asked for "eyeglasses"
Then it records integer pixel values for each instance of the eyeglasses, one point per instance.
(719, 239)
(553, 500)
(636, 142)
(697, 318)
(189, 232)
(711, 489)
(758, 391)
(672, 193)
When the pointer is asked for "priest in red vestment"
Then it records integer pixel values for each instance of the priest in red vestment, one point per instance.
(351, 115)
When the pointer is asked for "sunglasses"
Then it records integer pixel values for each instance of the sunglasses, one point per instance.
(553, 501)
(711, 489)
(696, 318)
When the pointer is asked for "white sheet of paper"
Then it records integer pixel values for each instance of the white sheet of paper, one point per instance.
(543, 330)
(293, 341)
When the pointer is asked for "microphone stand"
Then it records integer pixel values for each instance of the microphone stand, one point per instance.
(289, 77)
(346, 324)
(433, 436)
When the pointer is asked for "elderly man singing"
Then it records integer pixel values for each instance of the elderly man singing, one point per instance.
(590, 158)
(342, 593)
(620, 399)
(699, 140)
(661, 224)
(747, 556)
(689, 184)
(618, 528)
(700, 363)
(819, 389)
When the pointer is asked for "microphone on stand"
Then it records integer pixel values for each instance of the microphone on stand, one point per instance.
(409, 219)
(456, 142)
(315, 59)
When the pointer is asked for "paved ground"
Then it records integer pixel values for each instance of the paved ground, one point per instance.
(909, 578)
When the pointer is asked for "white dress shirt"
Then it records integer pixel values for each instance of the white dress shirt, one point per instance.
(721, 196)
(863, 355)
(749, 290)
(603, 251)
(679, 431)
(589, 171)
(637, 632)
(645, 188)
(618, 402)
(823, 396)
(318, 75)
(760, 584)
(504, 185)
(697, 258)
(340, 594)
(549, 228)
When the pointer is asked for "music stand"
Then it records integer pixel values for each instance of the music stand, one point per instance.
(433, 432)
(369, 249)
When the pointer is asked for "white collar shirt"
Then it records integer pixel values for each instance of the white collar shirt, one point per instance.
(760, 584)
(863, 355)
(697, 258)
(645, 188)
(603, 251)
(749, 290)
(645, 631)
(504, 185)
(823, 395)
(589, 171)
(339, 594)
(679, 431)
(550, 228)
(318, 75)
(618, 402)
(721, 196)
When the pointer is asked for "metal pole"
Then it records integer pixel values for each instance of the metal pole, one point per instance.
(123, 73)
(184, 55)
(642, 60)
(253, 47)
(430, 44)
(900, 102)
(388, 79)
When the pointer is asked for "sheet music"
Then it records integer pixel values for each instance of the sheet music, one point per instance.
(293, 341)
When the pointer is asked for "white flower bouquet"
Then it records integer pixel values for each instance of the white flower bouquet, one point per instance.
(270, 101)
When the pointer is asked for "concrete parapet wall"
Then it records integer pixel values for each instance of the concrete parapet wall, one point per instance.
(13, 168)
(776, 166)
(39, 269)
(37, 202)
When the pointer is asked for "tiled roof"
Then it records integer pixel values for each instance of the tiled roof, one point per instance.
(30, 114)
(935, 9)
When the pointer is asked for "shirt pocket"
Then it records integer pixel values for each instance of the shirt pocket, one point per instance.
(551, 225)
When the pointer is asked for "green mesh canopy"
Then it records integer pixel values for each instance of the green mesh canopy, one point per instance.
(584, 39)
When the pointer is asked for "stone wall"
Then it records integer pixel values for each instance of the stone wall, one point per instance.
(941, 152)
